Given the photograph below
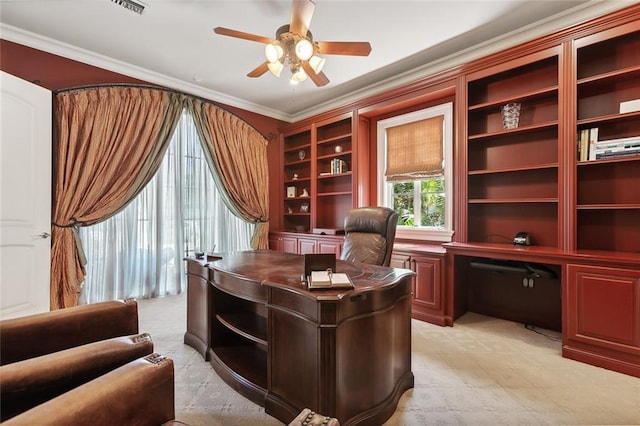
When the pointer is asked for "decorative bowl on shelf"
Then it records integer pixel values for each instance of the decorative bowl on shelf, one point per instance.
(300, 228)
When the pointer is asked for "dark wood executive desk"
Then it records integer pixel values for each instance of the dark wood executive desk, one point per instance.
(342, 353)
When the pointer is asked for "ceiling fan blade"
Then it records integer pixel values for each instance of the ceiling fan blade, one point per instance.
(319, 79)
(259, 70)
(355, 48)
(301, 13)
(243, 35)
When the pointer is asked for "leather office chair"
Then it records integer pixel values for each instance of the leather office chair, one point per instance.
(369, 235)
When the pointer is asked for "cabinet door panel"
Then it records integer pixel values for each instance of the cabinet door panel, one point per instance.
(427, 290)
(288, 245)
(329, 247)
(604, 307)
(306, 246)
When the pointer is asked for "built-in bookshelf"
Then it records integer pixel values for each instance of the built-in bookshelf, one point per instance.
(513, 172)
(334, 185)
(608, 83)
(297, 186)
(318, 182)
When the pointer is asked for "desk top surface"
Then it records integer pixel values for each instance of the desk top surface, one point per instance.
(285, 270)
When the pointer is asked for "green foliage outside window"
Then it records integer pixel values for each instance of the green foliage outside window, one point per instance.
(420, 203)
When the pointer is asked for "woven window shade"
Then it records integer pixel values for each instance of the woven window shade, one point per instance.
(414, 150)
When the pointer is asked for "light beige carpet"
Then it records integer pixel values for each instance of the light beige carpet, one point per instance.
(482, 371)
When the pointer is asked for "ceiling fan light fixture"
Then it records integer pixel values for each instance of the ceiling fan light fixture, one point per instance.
(304, 49)
(299, 76)
(316, 63)
(275, 68)
(273, 51)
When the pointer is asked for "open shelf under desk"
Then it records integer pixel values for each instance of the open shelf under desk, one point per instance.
(247, 364)
(248, 325)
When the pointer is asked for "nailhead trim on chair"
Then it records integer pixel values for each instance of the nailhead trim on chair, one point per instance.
(155, 358)
(144, 337)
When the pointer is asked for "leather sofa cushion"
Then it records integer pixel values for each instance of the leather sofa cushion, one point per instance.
(140, 392)
(25, 384)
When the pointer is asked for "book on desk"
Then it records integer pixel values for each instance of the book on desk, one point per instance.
(319, 273)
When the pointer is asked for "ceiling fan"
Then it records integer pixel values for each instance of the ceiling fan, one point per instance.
(294, 47)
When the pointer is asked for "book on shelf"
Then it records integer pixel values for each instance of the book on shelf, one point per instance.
(587, 139)
(629, 153)
(338, 166)
(583, 144)
(621, 147)
(593, 140)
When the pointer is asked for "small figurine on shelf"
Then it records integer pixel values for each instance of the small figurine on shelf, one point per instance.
(304, 208)
(295, 176)
(289, 210)
(302, 154)
(304, 192)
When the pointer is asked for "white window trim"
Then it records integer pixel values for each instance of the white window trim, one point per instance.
(384, 194)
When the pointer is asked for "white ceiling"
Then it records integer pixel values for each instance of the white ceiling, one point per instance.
(172, 42)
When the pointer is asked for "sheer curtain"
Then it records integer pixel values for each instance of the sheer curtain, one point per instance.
(138, 252)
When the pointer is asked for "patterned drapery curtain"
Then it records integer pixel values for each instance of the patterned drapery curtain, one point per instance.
(110, 142)
(237, 154)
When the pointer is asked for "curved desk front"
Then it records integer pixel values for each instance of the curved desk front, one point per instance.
(342, 353)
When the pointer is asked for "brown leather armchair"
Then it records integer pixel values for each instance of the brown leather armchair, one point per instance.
(369, 235)
(46, 356)
(140, 392)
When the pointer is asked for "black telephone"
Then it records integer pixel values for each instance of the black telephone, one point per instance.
(522, 239)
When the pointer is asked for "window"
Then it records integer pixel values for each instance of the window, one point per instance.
(138, 252)
(415, 154)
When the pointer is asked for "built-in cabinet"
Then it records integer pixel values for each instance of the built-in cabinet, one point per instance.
(303, 243)
(318, 182)
(428, 289)
(602, 325)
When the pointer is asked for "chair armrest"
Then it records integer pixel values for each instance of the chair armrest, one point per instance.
(35, 335)
(26, 384)
(138, 393)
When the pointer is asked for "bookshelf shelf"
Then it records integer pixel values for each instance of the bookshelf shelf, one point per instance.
(608, 206)
(511, 200)
(513, 169)
(609, 161)
(511, 132)
(545, 92)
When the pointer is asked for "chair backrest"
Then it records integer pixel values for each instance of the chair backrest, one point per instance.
(369, 235)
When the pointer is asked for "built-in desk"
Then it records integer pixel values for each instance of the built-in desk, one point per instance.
(342, 353)
(594, 298)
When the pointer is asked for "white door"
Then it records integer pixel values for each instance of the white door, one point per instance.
(25, 197)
